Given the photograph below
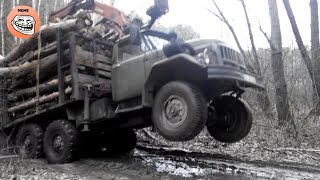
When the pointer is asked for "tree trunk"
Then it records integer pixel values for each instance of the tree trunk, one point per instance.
(254, 50)
(58, 5)
(42, 11)
(36, 5)
(262, 97)
(8, 39)
(315, 51)
(282, 104)
(315, 77)
(26, 3)
(1, 42)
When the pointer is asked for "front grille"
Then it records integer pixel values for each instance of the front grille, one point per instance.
(230, 55)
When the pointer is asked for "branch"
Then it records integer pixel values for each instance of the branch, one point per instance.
(267, 37)
(253, 47)
(224, 19)
(216, 15)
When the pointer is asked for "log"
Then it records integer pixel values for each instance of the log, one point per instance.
(33, 55)
(6, 71)
(33, 102)
(87, 58)
(46, 31)
(43, 88)
(26, 74)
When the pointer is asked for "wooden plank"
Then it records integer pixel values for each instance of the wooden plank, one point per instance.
(105, 67)
(100, 66)
(105, 74)
(87, 79)
(87, 58)
(74, 68)
(60, 62)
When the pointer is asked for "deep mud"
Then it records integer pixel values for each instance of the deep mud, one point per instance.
(157, 163)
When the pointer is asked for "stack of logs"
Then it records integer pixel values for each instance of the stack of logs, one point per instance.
(31, 67)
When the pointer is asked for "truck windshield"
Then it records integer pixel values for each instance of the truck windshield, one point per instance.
(152, 43)
(148, 43)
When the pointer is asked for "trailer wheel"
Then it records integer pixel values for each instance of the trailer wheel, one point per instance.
(29, 141)
(231, 121)
(61, 142)
(179, 111)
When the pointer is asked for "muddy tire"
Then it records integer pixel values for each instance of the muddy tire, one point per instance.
(29, 141)
(61, 142)
(179, 111)
(231, 121)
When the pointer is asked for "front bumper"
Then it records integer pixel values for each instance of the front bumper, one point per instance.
(232, 74)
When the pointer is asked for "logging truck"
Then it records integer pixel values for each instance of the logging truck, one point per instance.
(154, 79)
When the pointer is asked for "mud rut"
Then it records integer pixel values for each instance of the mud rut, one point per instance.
(150, 162)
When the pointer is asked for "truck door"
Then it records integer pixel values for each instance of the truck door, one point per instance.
(128, 72)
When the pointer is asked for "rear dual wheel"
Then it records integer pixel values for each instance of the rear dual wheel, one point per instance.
(61, 142)
(29, 141)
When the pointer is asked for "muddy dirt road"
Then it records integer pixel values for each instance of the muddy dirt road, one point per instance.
(157, 163)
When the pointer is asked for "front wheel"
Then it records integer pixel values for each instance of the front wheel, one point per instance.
(179, 111)
(230, 119)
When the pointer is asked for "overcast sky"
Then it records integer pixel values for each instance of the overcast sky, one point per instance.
(195, 13)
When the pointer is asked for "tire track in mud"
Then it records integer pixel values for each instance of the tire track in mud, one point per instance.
(207, 165)
(151, 162)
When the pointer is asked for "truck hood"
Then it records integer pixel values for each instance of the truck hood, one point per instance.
(199, 44)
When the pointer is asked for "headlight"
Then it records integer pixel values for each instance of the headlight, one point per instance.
(203, 57)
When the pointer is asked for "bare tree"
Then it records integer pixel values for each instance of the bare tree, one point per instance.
(8, 39)
(263, 97)
(58, 4)
(315, 51)
(315, 77)
(1, 44)
(43, 11)
(254, 50)
(26, 2)
(36, 5)
(185, 32)
(282, 104)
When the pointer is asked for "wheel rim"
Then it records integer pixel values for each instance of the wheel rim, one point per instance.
(228, 120)
(57, 143)
(175, 111)
(27, 145)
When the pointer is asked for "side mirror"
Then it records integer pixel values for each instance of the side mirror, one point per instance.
(159, 8)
